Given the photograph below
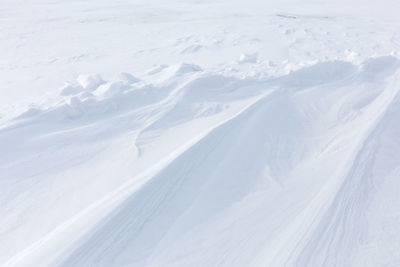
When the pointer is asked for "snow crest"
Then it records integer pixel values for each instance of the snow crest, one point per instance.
(203, 169)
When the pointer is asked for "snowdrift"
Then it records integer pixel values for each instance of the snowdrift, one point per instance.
(200, 169)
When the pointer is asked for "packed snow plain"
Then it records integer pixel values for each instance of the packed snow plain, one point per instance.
(200, 133)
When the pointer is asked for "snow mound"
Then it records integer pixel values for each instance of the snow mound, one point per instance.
(178, 173)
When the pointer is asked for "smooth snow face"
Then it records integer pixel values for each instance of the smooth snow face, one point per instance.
(277, 145)
(204, 170)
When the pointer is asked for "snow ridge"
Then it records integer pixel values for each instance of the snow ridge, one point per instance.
(188, 170)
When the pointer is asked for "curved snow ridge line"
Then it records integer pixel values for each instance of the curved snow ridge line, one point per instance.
(93, 214)
(311, 237)
(91, 97)
(308, 84)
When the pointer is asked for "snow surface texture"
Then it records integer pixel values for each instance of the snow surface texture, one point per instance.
(276, 146)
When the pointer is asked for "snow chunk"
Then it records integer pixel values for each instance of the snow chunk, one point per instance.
(248, 58)
(111, 89)
(90, 82)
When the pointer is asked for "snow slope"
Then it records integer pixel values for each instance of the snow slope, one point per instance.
(276, 146)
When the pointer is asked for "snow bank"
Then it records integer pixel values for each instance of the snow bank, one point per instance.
(200, 168)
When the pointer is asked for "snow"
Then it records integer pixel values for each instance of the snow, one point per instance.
(199, 133)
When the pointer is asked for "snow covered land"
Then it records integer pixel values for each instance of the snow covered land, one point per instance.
(200, 133)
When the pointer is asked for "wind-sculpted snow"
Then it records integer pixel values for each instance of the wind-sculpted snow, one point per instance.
(194, 168)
